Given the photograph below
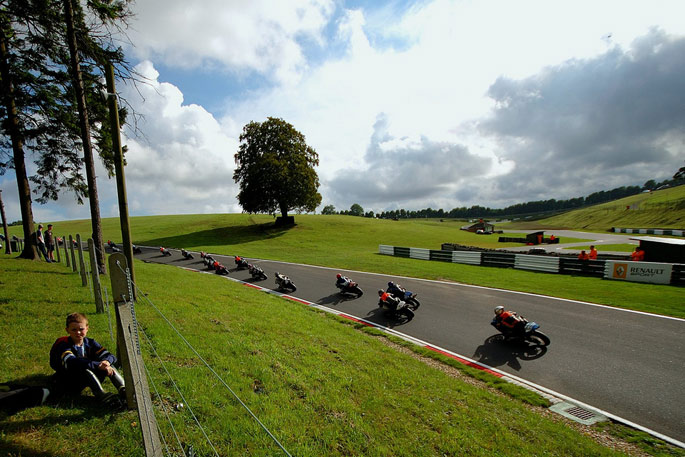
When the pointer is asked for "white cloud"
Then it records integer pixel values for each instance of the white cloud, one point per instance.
(257, 35)
(185, 162)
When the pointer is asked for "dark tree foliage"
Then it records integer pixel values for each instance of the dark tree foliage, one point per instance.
(275, 169)
(356, 210)
(38, 112)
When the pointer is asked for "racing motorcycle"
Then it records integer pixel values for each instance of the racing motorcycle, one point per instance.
(256, 272)
(525, 331)
(186, 255)
(241, 263)
(400, 308)
(404, 295)
(351, 288)
(165, 252)
(284, 283)
(219, 268)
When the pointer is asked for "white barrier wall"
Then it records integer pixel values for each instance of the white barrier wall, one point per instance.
(651, 272)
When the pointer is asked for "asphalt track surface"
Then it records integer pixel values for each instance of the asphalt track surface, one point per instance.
(629, 364)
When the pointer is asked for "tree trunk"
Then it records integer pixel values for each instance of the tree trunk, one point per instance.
(29, 251)
(85, 136)
(8, 246)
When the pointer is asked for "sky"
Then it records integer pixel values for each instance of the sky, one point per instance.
(436, 103)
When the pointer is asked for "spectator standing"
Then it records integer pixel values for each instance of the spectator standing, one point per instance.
(40, 241)
(583, 256)
(638, 255)
(593, 253)
(50, 243)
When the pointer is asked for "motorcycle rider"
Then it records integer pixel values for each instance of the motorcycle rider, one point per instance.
(396, 290)
(508, 321)
(342, 281)
(385, 300)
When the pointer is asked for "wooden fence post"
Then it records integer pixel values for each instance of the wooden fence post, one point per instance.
(128, 348)
(95, 274)
(66, 252)
(73, 256)
(82, 262)
(59, 257)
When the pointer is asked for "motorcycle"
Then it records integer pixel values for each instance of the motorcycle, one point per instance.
(256, 272)
(241, 263)
(527, 333)
(400, 309)
(219, 268)
(284, 283)
(351, 288)
(186, 255)
(165, 252)
(208, 261)
(405, 296)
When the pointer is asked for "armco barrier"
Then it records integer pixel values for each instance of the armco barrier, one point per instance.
(649, 231)
(418, 253)
(468, 257)
(442, 256)
(581, 267)
(498, 259)
(678, 274)
(537, 263)
(548, 264)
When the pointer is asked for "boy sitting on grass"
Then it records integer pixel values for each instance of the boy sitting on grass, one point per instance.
(81, 362)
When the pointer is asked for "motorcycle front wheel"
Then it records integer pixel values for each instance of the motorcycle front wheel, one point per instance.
(357, 290)
(413, 303)
(539, 338)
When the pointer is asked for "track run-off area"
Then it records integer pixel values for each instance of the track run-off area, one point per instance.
(626, 364)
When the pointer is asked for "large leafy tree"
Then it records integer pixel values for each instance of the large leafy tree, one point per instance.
(275, 169)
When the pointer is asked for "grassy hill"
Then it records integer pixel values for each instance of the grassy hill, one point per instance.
(663, 209)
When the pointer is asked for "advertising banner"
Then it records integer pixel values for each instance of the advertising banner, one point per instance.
(652, 272)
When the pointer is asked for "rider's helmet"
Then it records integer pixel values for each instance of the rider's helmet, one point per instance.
(391, 284)
(338, 275)
(381, 291)
(499, 309)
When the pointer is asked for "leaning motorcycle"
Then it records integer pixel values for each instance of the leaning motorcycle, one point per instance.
(351, 288)
(529, 333)
(284, 283)
(406, 296)
(402, 309)
(256, 272)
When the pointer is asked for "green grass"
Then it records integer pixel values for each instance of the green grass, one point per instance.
(321, 387)
(349, 242)
(663, 209)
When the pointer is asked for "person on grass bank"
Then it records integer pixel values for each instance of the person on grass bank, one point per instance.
(81, 362)
(40, 242)
(50, 243)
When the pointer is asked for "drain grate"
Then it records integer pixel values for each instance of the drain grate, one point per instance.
(578, 414)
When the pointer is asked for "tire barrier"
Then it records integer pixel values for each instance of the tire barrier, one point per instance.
(548, 264)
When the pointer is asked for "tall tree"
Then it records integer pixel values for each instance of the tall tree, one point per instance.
(275, 169)
(356, 210)
(73, 14)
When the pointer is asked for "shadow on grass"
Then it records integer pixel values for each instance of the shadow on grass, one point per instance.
(222, 236)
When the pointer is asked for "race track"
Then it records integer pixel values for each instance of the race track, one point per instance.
(626, 363)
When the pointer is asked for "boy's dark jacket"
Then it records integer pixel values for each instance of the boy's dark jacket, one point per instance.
(64, 355)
